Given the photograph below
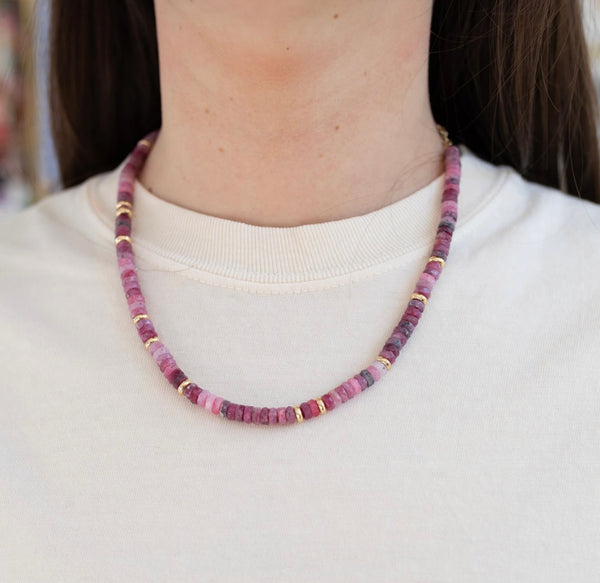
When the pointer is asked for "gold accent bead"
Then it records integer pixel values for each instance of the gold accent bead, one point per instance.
(150, 341)
(124, 204)
(322, 407)
(419, 297)
(183, 385)
(438, 259)
(122, 238)
(140, 317)
(124, 211)
(444, 135)
(385, 362)
(145, 143)
(299, 416)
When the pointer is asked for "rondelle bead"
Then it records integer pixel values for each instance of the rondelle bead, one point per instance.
(306, 412)
(281, 419)
(336, 398)
(405, 327)
(349, 390)
(179, 377)
(173, 373)
(328, 401)
(342, 393)
(248, 414)
(375, 374)
(367, 376)
(290, 414)
(239, 413)
(381, 367)
(417, 304)
(216, 406)
(193, 394)
(355, 385)
(165, 360)
(264, 415)
(146, 333)
(208, 404)
(397, 339)
(410, 318)
(361, 381)
(231, 411)
(202, 398)
(412, 311)
(395, 350)
(272, 416)
(314, 408)
(224, 406)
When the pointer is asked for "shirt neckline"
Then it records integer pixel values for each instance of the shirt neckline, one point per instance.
(285, 255)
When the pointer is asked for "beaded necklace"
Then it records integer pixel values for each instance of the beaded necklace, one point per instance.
(313, 407)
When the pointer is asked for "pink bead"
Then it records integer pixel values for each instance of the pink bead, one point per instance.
(374, 372)
(170, 366)
(239, 413)
(216, 407)
(127, 281)
(400, 336)
(342, 393)
(136, 299)
(210, 399)
(272, 416)
(355, 385)
(232, 411)
(336, 398)
(449, 205)
(137, 309)
(314, 408)
(380, 367)
(131, 283)
(281, 416)
(163, 359)
(349, 390)
(194, 394)
(126, 266)
(157, 347)
(202, 398)
(290, 415)
(328, 401)
(426, 280)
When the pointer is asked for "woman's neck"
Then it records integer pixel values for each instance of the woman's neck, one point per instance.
(292, 112)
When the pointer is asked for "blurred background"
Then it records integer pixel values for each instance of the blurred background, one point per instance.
(28, 169)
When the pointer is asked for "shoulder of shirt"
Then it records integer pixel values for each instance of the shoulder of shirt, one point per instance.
(55, 226)
(525, 204)
(60, 207)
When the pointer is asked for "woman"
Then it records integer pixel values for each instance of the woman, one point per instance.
(281, 220)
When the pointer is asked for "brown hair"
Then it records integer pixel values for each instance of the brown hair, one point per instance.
(510, 79)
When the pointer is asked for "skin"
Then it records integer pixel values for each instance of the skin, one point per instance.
(288, 112)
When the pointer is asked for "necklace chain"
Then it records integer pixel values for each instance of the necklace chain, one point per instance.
(313, 407)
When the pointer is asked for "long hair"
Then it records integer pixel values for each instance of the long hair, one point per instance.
(510, 79)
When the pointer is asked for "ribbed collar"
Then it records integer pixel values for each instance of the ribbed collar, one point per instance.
(305, 253)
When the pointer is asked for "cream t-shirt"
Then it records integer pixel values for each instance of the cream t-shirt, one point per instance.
(476, 458)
